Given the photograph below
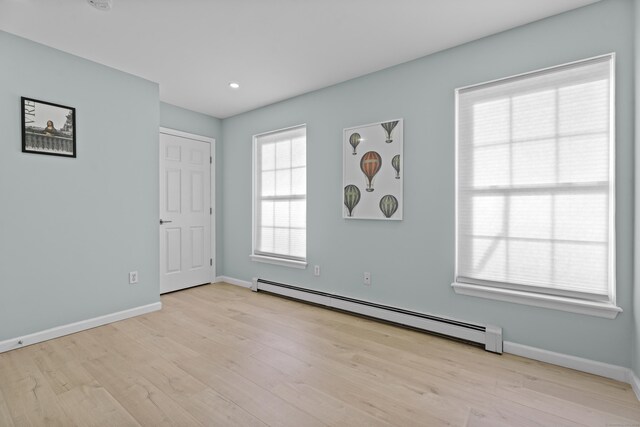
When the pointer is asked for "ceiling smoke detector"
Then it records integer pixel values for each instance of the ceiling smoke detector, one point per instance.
(104, 5)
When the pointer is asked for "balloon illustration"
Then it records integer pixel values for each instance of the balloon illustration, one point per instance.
(388, 127)
(395, 162)
(388, 205)
(354, 140)
(370, 164)
(351, 197)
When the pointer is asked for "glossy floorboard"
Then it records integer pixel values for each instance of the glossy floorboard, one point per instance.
(223, 355)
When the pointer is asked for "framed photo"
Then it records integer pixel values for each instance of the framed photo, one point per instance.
(372, 171)
(48, 128)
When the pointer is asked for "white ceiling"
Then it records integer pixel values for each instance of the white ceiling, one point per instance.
(275, 49)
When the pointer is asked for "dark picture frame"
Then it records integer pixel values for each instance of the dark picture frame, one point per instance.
(48, 128)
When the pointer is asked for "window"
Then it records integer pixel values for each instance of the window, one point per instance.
(535, 189)
(280, 197)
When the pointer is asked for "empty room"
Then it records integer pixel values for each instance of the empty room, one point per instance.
(319, 213)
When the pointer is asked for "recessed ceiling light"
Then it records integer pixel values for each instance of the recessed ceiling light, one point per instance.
(234, 85)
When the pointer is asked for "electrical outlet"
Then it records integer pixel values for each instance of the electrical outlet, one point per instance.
(133, 277)
(367, 278)
(316, 270)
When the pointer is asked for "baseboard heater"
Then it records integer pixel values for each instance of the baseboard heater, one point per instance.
(488, 335)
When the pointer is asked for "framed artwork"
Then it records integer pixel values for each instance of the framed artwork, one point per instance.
(372, 171)
(48, 128)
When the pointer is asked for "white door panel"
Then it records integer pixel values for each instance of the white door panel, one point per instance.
(185, 202)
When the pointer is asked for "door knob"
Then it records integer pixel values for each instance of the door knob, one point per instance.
(164, 222)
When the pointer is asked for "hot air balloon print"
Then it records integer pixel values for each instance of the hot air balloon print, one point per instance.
(388, 128)
(388, 205)
(395, 162)
(351, 197)
(370, 164)
(354, 140)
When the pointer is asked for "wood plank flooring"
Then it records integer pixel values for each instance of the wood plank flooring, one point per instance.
(220, 355)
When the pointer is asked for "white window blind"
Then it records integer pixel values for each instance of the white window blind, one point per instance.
(535, 189)
(280, 206)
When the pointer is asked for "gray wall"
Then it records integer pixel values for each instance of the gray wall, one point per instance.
(178, 118)
(412, 261)
(72, 229)
(636, 278)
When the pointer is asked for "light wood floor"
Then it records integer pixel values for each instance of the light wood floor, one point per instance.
(223, 355)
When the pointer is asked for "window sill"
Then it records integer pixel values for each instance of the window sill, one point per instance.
(590, 308)
(279, 261)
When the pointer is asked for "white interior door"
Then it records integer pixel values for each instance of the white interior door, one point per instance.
(185, 212)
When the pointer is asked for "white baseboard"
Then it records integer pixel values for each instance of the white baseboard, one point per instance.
(615, 372)
(18, 342)
(232, 281)
(606, 370)
(634, 381)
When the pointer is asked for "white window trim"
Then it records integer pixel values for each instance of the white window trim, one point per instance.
(259, 257)
(607, 310)
(278, 261)
(508, 293)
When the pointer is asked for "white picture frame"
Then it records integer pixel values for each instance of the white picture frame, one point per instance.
(372, 171)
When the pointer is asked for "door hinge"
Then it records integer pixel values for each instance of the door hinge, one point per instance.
(211, 262)
(211, 159)
(210, 211)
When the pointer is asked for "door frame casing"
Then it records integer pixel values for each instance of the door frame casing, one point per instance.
(212, 179)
